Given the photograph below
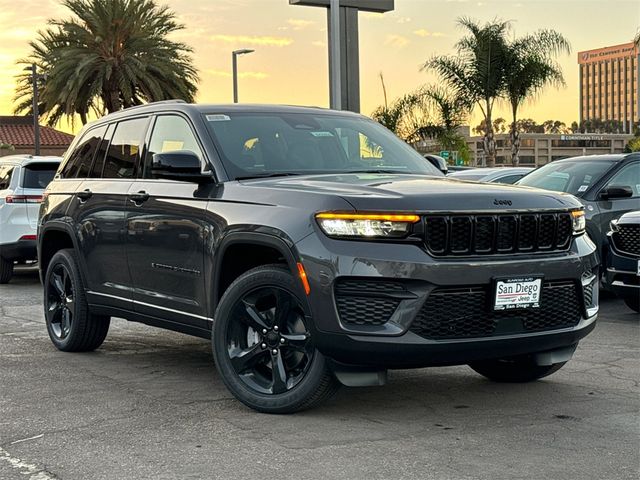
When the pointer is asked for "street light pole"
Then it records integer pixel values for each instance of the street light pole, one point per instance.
(234, 70)
(36, 114)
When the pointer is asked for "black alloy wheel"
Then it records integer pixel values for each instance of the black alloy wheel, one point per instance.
(60, 301)
(268, 342)
(263, 347)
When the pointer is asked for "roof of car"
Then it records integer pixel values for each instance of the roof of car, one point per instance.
(612, 157)
(27, 159)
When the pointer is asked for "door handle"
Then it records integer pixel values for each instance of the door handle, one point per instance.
(139, 197)
(84, 195)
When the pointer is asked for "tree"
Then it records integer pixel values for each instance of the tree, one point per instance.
(111, 54)
(401, 116)
(554, 127)
(477, 73)
(529, 68)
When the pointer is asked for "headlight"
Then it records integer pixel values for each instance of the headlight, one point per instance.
(366, 225)
(579, 222)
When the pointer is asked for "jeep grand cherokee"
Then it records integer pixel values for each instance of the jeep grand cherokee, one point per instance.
(313, 247)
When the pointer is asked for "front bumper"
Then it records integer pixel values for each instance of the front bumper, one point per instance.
(20, 250)
(395, 341)
(621, 275)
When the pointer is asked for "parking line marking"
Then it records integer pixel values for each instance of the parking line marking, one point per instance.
(27, 439)
(34, 472)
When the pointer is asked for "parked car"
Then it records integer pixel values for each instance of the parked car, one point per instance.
(623, 259)
(508, 175)
(23, 179)
(458, 168)
(308, 263)
(607, 185)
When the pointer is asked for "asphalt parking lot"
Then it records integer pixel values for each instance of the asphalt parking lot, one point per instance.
(149, 404)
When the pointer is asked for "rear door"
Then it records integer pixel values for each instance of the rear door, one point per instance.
(107, 160)
(166, 231)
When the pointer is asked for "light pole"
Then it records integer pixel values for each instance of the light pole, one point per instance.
(234, 66)
(36, 125)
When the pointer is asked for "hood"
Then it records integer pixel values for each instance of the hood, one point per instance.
(417, 193)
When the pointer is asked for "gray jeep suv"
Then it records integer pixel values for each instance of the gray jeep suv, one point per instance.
(313, 247)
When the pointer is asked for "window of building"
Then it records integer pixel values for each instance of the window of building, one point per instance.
(124, 150)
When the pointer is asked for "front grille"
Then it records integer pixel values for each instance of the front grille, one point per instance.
(502, 234)
(367, 302)
(451, 313)
(627, 239)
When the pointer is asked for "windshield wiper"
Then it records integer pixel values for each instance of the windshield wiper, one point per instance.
(268, 175)
(380, 170)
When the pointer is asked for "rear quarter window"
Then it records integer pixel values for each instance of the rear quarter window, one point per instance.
(5, 176)
(38, 175)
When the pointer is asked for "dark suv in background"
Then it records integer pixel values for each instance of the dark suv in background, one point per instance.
(312, 247)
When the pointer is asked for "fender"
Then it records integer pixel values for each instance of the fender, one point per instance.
(57, 226)
(281, 243)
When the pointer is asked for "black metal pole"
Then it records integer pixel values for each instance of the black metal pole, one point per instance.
(36, 124)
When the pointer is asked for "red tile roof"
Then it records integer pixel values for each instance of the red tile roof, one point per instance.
(18, 131)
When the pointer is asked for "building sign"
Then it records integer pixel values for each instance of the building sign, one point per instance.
(582, 137)
(608, 53)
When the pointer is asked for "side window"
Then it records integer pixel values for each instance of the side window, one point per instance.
(5, 176)
(124, 150)
(98, 162)
(627, 176)
(82, 148)
(170, 132)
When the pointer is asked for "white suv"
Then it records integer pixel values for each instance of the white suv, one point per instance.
(23, 179)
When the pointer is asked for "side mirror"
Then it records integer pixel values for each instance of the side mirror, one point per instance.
(438, 162)
(616, 191)
(181, 165)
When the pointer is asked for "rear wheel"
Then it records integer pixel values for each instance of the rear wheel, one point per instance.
(514, 370)
(633, 302)
(263, 345)
(71, 326)
(6, 270)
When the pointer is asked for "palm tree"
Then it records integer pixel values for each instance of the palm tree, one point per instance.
(477, 72)
(529, 68)
(445, 111)
(111, 54)
(402, 116)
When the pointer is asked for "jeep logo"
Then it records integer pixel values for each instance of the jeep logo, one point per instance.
(501, 202)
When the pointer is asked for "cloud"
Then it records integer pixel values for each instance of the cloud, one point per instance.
(404, 20)
(426, 33)
(252, 75)
(319, 43)
(397, 41)
(372, 15)
(254, 40)
(299, 24)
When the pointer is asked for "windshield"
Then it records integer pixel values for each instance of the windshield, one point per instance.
(264, 144)
(565, 176)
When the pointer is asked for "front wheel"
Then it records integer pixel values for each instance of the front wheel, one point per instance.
(263, 345)
(6, 270)
(633, 302)
(514, 370)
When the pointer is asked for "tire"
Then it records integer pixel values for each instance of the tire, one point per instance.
(514, 370)
(6, 270)
(633, 302)
(71, 326)
(279, 371)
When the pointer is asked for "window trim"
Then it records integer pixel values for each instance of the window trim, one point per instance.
(204, 161)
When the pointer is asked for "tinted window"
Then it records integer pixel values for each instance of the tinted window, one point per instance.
(628, 176)
(79, 162)
(566, 176)
(170, 132)
(124, 150)
(5, 176)
(39, 175)
(98, 162)
(255, 144)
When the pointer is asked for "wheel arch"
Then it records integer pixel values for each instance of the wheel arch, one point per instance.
(239, 252)
(51, 239)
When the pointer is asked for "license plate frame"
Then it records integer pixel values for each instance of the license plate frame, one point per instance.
(517, 292)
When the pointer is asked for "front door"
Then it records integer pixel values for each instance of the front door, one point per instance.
(165, 231)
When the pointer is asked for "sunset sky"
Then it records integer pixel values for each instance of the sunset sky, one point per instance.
(290, 62)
